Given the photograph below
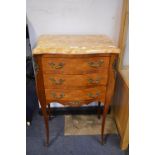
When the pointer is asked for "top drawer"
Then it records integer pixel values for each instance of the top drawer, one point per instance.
(75, 65)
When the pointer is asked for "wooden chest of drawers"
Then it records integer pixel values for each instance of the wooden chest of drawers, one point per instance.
(74, 79)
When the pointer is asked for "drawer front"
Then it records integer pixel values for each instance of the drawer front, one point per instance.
(70, 81)
(75, 65)
(75, 95)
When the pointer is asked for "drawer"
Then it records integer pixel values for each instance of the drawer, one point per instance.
(75, 65)
(75, 95)
(71, 81)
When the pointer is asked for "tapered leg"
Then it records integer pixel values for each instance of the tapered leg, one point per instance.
(105, 111)
(99, 110)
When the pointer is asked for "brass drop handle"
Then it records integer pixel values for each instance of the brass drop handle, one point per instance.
(96, 64)
(57, 97)
(57, 82)
(92, 81)
(93, 95)
(56, 66)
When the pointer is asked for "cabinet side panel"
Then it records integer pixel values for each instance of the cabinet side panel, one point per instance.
(39, 78)
(111, 79)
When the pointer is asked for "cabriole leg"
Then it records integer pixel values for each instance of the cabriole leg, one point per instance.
(105, 111)
(46, 124)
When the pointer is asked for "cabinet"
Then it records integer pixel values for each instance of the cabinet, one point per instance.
(75, 70)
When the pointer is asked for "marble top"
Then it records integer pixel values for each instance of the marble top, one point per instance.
(74, 44)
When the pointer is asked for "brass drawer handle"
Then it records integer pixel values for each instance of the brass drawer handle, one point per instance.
(93, 95)
(57, 82)
(96, 64)
(56, 66)
(92, 81)
(57, 97)
(75, 102)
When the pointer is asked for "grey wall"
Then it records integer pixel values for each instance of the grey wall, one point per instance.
(73, 17)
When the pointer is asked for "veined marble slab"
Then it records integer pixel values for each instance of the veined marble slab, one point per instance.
(74, 44)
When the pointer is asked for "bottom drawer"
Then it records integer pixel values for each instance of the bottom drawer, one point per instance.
(77, 95)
